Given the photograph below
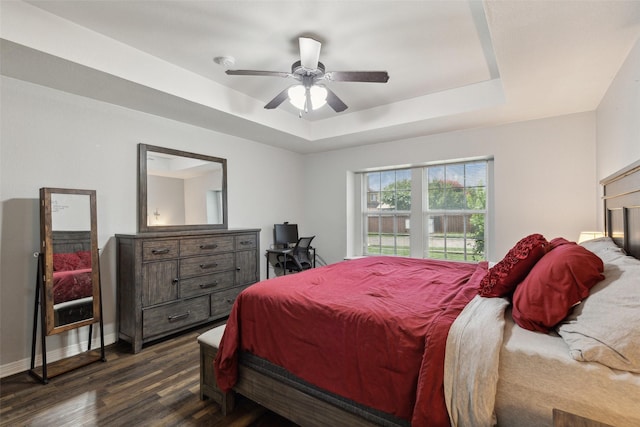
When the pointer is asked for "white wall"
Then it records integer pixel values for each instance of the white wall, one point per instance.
(53, 139)
(618, 120)
(70, 212)
(196, 193)
(166, 196)
(544, 172)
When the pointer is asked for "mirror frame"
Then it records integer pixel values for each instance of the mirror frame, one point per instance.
(143, 227)
(46, 241)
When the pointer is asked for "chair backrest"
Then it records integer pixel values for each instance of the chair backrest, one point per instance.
(301, 250)
(304, 243)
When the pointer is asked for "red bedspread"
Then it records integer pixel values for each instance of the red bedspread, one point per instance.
(71, 285)
(373, 330)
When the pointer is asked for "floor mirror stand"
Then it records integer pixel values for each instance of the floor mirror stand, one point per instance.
(49, 370)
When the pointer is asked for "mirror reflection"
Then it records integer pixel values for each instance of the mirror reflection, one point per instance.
(180, 190)
(70, 247)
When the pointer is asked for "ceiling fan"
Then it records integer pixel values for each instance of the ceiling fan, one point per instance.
(309, 92)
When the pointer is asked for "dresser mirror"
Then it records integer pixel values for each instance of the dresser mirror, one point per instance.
(178, 190)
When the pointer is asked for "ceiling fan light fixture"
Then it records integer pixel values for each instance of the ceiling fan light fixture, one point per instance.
(318, 96)
(297, 96)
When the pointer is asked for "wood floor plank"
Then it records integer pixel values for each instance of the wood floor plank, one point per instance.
(158, 386)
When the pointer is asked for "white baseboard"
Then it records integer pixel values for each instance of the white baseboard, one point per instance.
(53, 355)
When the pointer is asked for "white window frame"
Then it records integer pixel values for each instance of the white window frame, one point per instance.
(418, 213)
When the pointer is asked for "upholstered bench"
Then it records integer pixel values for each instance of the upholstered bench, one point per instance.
(209, 343)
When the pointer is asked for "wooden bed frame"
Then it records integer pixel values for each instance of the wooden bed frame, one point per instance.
(622, 223)
(622, 208)
(71, 241)
(294, 404)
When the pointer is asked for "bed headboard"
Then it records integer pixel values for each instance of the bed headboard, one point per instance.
(622, 208)
(71, 241)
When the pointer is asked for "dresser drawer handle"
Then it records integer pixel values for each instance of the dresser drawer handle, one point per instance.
(208, 285)
(175, 281)
(205, 266)
(211, 246)
(160, 251)
(246, 242)
(178, 316)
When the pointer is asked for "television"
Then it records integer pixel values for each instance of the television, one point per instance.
(285, 234)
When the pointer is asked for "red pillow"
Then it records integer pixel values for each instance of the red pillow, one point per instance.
(65, 261)
(85, 259)
(560, 280)
(559, 241)
(502, 278)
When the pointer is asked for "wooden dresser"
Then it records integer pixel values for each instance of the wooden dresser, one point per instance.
(171, 281)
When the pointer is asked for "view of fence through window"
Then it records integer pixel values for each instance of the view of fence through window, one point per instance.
(455, 214)
(388, 211)
(453, 202)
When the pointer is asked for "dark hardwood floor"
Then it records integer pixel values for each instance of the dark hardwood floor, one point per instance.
(157, 387)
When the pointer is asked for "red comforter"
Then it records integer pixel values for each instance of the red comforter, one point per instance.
(71, 285)
(373, 330)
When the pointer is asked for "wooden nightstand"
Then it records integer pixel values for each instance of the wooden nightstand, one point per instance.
(567, 419)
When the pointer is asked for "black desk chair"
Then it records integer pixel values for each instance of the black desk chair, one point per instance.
(299, 258)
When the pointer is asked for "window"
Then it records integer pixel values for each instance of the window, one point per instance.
(446, 202)
(387, 212)
(455, 198)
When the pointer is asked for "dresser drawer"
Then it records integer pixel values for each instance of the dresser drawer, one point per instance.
(221, 302)
(166, 318)
(206, 245)
(159, 249)
(198, 266)
(206, 284)
(246, 241)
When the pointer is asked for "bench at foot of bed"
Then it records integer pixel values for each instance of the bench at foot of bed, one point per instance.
(209, 343)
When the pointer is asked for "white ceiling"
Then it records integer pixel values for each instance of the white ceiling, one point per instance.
(452, 64)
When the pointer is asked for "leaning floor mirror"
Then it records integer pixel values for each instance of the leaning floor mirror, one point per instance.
(68, 294)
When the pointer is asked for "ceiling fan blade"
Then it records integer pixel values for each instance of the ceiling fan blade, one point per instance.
(279, 99)
(257, 73)
(309, 53)
(335, 102)
(359, 76)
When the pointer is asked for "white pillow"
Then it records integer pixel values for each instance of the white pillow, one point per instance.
(605, 327)
(604, 247)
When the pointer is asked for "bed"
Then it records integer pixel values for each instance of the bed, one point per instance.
(72, 276)
(314, 375)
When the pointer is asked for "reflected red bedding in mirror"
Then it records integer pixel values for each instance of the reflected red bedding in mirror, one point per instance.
(71, 285)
